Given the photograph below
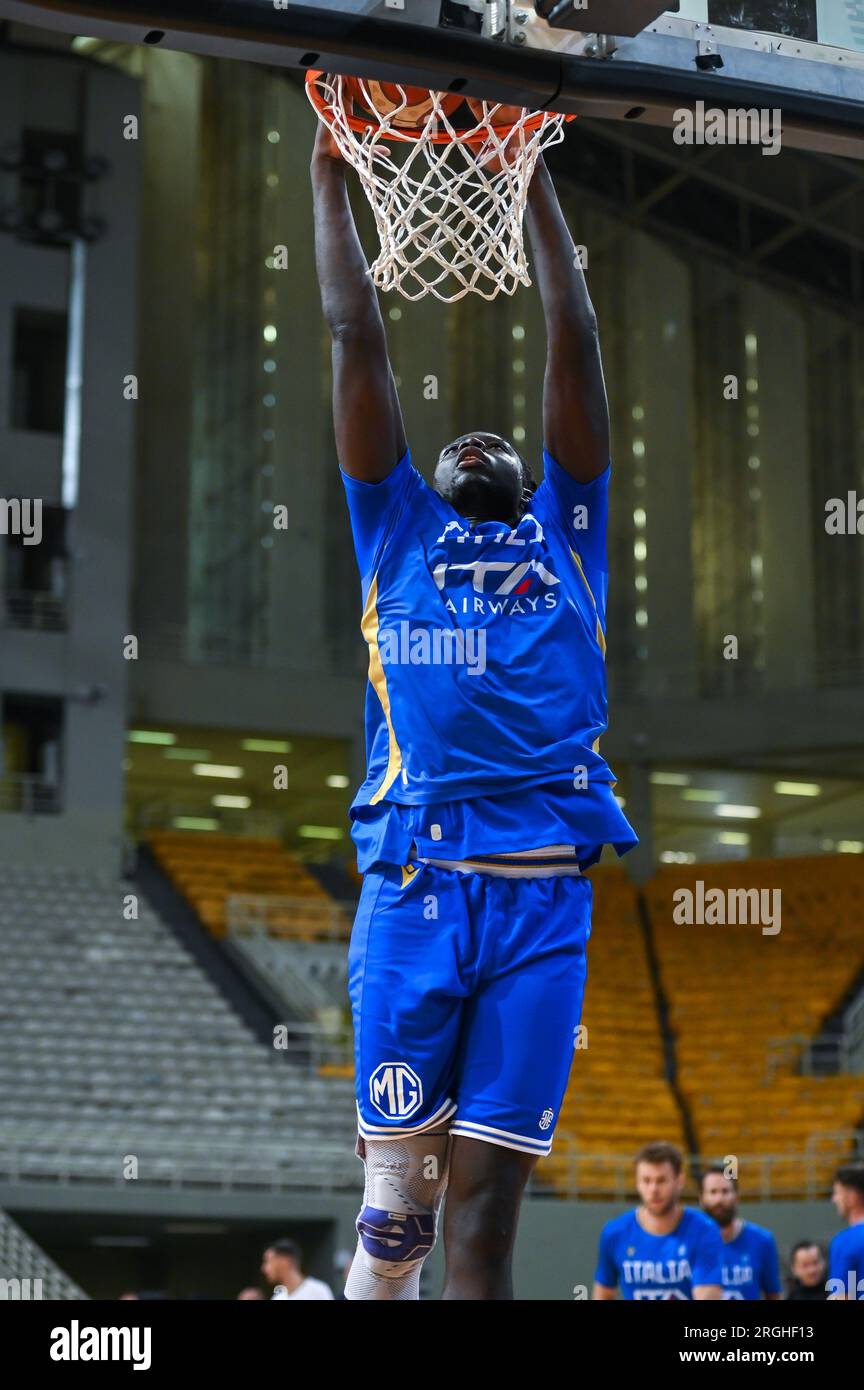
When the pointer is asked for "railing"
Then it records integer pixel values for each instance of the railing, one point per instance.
(854, 1034)
(165, 642)
(29, 609)
(185, 1164)
(805, 1175)
(248, 914)
(319, 1046)
(841, 1052)
(628, 680)
(29, 795)
(208, 1164)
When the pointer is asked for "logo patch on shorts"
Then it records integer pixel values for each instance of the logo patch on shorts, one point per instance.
(395, 1090)
(409, 871)
(546, 1118)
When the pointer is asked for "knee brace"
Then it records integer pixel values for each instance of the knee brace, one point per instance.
(405, 1184)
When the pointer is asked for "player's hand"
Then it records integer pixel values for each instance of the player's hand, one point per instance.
(496, 154)
(325, 146)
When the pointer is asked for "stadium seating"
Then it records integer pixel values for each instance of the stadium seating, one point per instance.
(208, 869)
(26, 1272)
(114, 1042)
(734, 992)
(617, 1098)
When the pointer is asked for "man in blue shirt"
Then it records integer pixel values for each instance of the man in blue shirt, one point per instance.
(486, 796)
(751, 1264)
(846, 1256)
(662, 1250)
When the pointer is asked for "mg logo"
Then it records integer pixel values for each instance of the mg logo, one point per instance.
(395, 1090)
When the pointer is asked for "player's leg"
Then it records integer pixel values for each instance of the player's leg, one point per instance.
(398, 1222)
(516, 1050)
(483, 1198)
(407, 993)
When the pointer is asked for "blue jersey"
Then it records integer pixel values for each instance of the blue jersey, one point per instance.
(751, 1265)
(660, 1267)
(846, 1262)
(487, 686)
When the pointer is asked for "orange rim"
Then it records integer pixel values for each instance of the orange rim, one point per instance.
(361, 123)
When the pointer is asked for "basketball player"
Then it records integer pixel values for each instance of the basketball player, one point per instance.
(846, 1256)
(661, 1250)
(751, 1264)
(486, 799)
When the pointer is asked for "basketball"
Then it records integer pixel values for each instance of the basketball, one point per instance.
(411, 104)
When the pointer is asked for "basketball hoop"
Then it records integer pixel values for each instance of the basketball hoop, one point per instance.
(449, 212)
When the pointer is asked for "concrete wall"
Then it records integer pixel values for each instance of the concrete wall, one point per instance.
(60, 94)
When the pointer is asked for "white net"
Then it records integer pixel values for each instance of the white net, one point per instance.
(448, 200)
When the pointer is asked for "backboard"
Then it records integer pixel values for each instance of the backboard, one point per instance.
(632, 60)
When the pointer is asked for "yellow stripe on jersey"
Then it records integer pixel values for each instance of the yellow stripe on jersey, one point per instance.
(369, 628)
(601, 639)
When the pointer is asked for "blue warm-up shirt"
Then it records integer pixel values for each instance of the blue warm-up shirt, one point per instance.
(660, 1267)
(487, 683)
(846, 1259)
(751, 1264)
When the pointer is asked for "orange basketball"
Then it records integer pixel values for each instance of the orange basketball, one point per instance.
(386, 97)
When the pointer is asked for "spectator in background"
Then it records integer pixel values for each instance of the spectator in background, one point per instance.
(250, 1293)
(808, 1269)
(846, 1257)
(282, 1267)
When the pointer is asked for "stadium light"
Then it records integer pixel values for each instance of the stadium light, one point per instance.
(797, 789)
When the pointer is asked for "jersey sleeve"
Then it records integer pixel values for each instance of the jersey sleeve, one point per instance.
(771, 1281)
(375, 507)
(606, 1272)
(707, 1266)
(582, 510)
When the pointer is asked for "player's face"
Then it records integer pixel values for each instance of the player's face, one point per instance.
(842, 1197)
(271, 1267)
(719, 1199)
(808, 1266)
(658, 1186)
(480, 475)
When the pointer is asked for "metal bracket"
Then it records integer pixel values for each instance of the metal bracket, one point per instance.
(493, 13)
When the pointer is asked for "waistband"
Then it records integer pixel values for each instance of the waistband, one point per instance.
(551, 861)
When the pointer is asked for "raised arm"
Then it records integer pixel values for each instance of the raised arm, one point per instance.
(370, 435)
(575, 408)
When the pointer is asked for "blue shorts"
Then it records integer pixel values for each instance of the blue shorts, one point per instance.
(466, 992)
